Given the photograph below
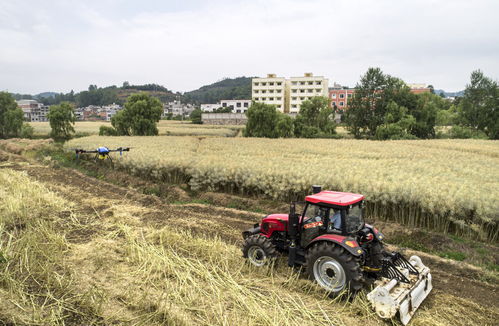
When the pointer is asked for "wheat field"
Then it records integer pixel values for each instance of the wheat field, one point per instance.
(445, 185)
(165, 127)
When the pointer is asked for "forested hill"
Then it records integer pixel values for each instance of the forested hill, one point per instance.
(226, 89)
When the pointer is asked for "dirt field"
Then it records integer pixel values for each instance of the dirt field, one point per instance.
(112, 216)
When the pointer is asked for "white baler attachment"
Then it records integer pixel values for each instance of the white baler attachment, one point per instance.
(394, 295)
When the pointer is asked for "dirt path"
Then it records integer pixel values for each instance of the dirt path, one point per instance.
(458, 280)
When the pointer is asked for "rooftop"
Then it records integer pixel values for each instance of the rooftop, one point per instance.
(335, 198)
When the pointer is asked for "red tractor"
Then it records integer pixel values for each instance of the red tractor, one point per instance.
(341, 252)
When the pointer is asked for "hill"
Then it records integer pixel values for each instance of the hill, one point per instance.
(226, 89)
(449, 94)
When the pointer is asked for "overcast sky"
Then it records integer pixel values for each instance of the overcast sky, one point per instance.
(63, 45)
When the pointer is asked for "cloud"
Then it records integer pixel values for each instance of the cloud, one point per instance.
(184, 45)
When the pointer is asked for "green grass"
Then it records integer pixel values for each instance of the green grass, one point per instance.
(454, 255)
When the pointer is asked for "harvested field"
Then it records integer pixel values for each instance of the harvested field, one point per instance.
(444, 185)
(102, 254)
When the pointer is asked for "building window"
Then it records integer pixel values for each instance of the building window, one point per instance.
(256, 83)
(224, 105)
(278, 98)
(238, 111)
(294, 83)
(245, 104)
(334, 103)
(294, 98)
(318, 83)
(264, 91)
(271, 98)
(302, 91)
(279, 83)
(310, 90)
(278, 106)
(318, 90)
(341, 103)
(293, 106)
(333, 95)
(342, 95)
(271, 84)
(310, 82)
(256, 91)
(271, 91)
(293, 90)
(302, 83)
(264, 84)
(302, 98)
(278, 91)
(238, 104)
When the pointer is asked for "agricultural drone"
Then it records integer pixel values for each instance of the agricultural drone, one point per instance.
(101, 153)
(341, 252)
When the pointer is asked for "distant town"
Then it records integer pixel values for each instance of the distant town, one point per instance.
(286, 94)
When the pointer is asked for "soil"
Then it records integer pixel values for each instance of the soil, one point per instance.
(94, 197)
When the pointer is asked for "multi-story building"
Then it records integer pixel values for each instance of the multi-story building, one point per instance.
(33, 111)
(304, 88)
(340, 96)
(271, 90)
(177, 108)
(288, 94)
(236, 106)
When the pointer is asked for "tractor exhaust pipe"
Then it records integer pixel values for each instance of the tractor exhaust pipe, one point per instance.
(316, 189)
(292, 231)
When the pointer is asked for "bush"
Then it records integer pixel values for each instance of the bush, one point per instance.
(107, 131)
(466, 132)
(27, 131)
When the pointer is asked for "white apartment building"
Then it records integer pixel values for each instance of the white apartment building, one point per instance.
(237, 106)
(288, 94)
(270, 90)
(304, 88)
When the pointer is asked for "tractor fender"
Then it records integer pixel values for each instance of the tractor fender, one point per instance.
(377, 234)
(348, 244)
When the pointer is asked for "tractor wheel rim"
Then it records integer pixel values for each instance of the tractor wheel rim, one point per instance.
(329, 273)
(257, 256)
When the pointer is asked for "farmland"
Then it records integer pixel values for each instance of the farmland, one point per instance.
(165, 127)
(444, 185)
(76, 250)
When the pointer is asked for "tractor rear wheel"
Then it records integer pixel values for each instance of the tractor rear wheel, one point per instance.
(334, 269)
(259, 250)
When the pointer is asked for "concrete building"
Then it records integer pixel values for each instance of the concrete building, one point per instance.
(288, 94)
(236, 106)
(271, 90)
(340, 96)
(33, 111)
(224, 118)
(177, 108)
(304, 88)
(210, 107)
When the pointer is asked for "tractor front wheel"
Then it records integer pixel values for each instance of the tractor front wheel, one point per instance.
(259, 250)
(334, 269)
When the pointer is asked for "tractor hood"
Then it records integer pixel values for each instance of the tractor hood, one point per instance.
(276, 217)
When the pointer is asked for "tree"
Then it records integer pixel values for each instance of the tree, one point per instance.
(366, 111)
(139, 116)
(284, 126)
(397, 123)
(479, 107)
(11, 116)
(62, 119)
(315, 119)
(223, 110)
(262, 121)
(196, 116)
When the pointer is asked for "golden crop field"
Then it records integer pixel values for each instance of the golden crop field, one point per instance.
(165, 127)
(446, 185)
